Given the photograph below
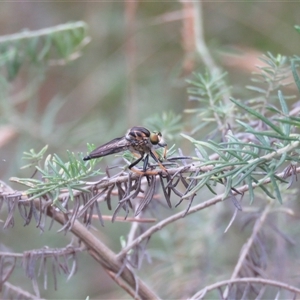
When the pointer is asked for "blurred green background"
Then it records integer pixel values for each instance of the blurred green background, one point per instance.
(135, 66)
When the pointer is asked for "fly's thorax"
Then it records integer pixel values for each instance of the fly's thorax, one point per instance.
(137, 133)
(141, 140)
(140, 148)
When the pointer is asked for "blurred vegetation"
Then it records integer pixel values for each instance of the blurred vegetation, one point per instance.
(110, 66)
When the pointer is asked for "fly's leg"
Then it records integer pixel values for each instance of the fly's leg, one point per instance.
(145, 163)
(146, 160)
(136, 162)
(155, 157)
(165, 152)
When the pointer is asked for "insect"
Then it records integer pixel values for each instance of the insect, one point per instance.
(138, 140)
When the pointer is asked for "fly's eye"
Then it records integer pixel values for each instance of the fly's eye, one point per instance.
(155, 137)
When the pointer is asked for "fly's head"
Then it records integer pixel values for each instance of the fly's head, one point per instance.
(157, 139)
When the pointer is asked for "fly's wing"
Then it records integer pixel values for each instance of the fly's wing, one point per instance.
(114, 146)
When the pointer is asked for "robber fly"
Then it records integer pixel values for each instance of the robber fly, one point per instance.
(138, 140)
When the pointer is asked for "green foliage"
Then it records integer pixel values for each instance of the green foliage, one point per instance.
(167, 123)
(297, 27)
(41, 46)
(210, 92)
(58, 177)
(258, 152)
(294, 71)
(271, 76)
(36, 51)
(34, 157)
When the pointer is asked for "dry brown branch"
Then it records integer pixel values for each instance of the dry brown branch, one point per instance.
(12, 292)
(135, 193)
(245, 250)
(193, 209)
(103, 254)
(128, 220)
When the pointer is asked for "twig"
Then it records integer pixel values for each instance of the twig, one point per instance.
(41, 32)
(245, 251)
(121, 284)
(208, 60)
(19, 293)
(200, 42)
(45, 252)
(102, 253)
(202, 293)
(128, 219)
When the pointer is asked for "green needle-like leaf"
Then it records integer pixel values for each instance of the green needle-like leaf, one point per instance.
(276, 189)
(258, 115)
(286, 126)
(295, 74)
